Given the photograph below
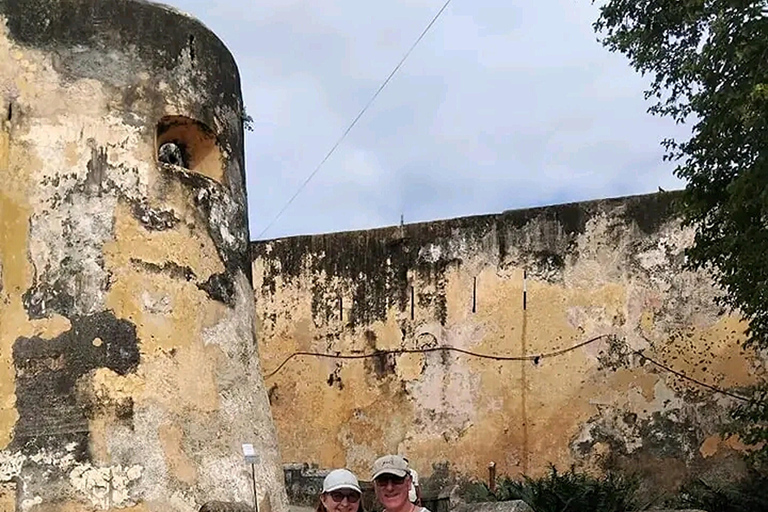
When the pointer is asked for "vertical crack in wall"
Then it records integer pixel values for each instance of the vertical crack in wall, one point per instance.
(523, 376)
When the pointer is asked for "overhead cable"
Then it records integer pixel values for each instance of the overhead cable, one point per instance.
(353, 123)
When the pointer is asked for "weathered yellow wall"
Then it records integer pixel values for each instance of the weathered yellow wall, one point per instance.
(611, 267)
(128, 367)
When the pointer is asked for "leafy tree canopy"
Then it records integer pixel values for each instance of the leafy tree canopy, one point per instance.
(708, 63)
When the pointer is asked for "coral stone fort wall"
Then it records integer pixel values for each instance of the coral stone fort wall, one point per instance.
(129, 375)
(593, 296)
(129, 370)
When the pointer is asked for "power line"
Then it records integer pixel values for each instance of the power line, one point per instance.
(354, 122)
(533, 357)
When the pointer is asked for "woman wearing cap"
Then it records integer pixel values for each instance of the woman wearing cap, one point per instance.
(341, 493)
(392, 481)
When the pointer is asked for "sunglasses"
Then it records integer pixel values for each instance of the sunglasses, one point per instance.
(383, 480)
(338, 496)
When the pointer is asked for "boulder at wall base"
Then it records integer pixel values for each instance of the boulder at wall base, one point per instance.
(226, 506)
(495, 506)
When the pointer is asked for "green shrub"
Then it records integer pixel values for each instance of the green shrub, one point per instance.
(564, 492)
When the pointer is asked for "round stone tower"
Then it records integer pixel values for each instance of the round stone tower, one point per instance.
(129, 375)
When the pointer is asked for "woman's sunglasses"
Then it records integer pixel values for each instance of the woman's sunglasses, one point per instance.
(338, 496)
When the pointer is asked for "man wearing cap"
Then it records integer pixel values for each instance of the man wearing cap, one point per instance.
(392, 481)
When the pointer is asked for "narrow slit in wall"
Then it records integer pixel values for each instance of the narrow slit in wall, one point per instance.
(192, 48)
(525, 290)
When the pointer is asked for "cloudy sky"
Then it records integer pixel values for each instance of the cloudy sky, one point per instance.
(504, 104)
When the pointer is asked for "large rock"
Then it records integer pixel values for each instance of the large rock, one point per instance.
(496, 506)
(226, 506)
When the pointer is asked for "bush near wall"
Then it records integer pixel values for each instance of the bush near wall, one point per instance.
(574, 491)
(570, 491)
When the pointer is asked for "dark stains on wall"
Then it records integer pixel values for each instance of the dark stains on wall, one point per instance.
(153, 219)
(273, 394)
(220, 214)
(334, 379)
(53, 291)
(97, 171)
(661, 441)
(169, 268)
(220, 287)
(649, 212)
(572, 218)
(376, 267)
(47, 374)
(615, 355)
(382, 365)
(551, 261)
(43, 297)
(303, 484)
(665, 436)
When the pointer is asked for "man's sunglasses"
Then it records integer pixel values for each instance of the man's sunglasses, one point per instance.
(338, 496)
(383, 480)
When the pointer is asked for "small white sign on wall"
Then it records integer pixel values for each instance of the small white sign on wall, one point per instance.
(251, 457)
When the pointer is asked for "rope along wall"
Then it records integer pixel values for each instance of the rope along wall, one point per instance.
(535, 358)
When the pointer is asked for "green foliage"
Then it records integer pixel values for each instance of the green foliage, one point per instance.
(750, 422)
(247, 121)
(749, 495)
(576, 492)
(565, 492)
(708, 60)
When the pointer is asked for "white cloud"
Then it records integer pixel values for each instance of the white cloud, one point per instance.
(504, 104)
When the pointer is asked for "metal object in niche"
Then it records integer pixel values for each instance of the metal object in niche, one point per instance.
(171, 153)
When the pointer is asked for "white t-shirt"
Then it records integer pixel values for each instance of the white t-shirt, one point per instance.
(414, 482)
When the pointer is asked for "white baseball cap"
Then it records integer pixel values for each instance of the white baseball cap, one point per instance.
(341, 479)
(390, 465)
